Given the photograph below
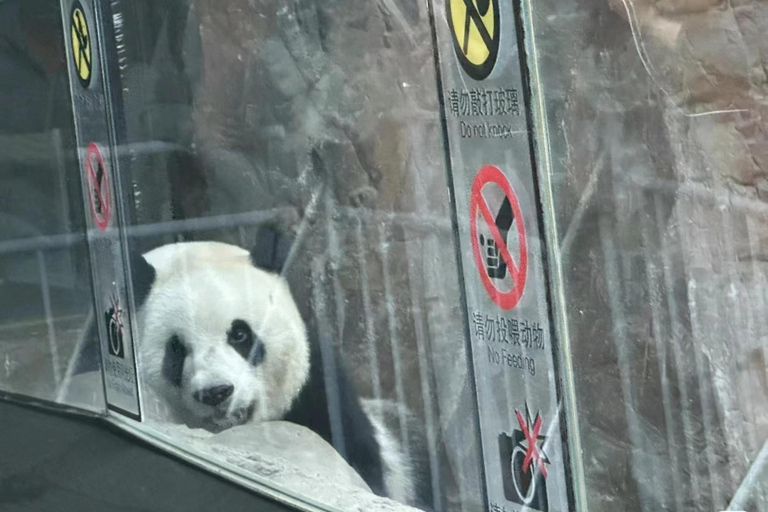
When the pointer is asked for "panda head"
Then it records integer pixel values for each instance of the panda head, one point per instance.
(220, 338)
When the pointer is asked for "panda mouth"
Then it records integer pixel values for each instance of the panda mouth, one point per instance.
(225, 419)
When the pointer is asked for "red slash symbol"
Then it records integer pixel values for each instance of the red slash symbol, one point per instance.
(98, 187)
(531, 433)
(510, 212)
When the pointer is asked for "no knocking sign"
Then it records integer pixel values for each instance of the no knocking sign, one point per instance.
(498, 234)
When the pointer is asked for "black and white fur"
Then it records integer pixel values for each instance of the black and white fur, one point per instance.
(222, 340)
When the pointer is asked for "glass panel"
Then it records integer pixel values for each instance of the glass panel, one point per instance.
(320, 121)
(654, 113)
(45, 286)
(262, 215)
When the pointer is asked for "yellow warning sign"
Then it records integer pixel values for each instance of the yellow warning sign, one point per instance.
(475, 26)
(82, 49)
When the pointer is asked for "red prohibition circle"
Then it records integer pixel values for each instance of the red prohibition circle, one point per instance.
(518, 271)
(98, 189)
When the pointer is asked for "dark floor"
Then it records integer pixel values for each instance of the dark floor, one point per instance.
(51, 461)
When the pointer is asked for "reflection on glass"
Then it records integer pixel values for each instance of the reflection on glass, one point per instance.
(44, 274)
(295, 299)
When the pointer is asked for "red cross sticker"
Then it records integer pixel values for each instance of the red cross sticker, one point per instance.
(533, 453)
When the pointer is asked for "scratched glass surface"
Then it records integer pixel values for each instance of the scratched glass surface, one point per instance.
(276, 115)
(324, 117)
(232, 118)
(656, 117)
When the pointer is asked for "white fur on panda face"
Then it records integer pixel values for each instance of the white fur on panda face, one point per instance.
(207, 297)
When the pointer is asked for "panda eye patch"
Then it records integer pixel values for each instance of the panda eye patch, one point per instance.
(173, 360)
(242, 338)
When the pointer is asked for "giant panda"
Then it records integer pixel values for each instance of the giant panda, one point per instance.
(221, 339)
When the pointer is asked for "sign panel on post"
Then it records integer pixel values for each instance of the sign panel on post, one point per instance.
(501, 246)
(99, 177)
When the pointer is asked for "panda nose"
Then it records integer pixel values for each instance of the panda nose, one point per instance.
(214, 395)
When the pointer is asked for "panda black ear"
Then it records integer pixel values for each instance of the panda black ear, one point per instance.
(143, 276)
(271, 249)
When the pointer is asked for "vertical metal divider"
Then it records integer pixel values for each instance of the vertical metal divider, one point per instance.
(539, 132)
